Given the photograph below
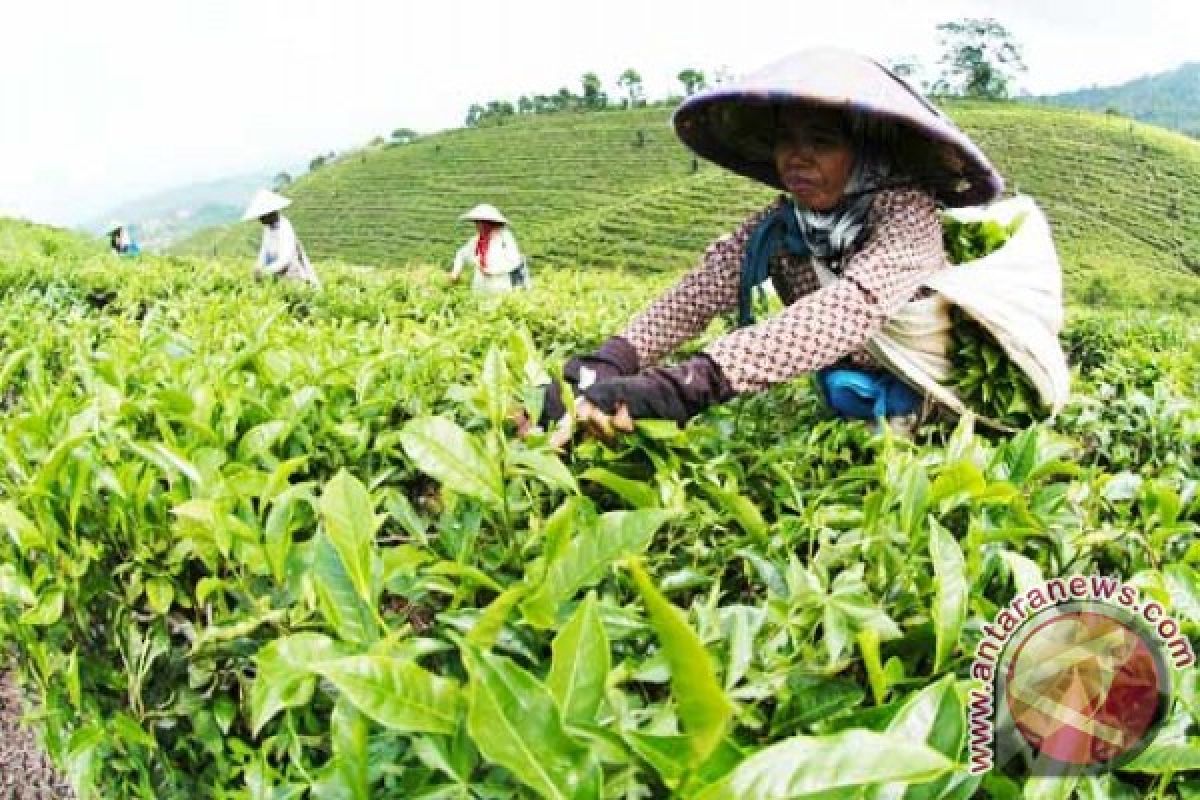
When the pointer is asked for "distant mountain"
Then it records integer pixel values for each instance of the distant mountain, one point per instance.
(164, 218)
(1170, 99)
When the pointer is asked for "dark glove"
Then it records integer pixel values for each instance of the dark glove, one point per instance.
(678, 393)
(615, 358)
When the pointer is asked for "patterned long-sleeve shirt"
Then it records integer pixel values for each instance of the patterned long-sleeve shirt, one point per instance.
(821, 325)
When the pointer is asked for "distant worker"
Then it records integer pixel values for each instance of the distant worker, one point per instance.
(121, 240)
(492, 253)
(281, 253)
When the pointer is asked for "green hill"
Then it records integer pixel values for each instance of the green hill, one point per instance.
(1170, 99)
(581, 191)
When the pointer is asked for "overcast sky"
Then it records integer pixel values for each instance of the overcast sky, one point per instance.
(105, 101)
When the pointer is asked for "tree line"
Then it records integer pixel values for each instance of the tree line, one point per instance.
(591, 97)
(980, 59)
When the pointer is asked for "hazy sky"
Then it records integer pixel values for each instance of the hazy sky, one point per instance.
(105, 101)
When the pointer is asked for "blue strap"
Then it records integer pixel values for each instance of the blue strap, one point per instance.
(860, 394)
(779, 228)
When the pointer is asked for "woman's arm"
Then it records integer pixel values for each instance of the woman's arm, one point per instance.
(461, 258)
(263, 251)
(903, 248)
(688, 307)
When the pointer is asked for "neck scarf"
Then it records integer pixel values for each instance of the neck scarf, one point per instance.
(481, 244)
(805, 233)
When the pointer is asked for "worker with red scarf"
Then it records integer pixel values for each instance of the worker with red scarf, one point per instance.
(492, 253)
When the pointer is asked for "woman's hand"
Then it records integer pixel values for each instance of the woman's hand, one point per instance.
(612, 406)
(615, 358)
(593, 422)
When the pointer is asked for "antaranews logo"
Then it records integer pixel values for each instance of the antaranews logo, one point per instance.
(1075, 677)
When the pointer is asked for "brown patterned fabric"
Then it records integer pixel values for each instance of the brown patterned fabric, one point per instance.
(821, 326)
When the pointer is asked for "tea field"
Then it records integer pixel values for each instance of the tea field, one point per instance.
(581, 190)
(265, 543)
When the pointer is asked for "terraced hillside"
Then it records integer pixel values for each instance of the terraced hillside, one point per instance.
(616, 189)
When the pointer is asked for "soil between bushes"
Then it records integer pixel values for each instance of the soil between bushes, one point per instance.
(25, 770)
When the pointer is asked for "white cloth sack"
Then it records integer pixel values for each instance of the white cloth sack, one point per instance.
(1015, 294)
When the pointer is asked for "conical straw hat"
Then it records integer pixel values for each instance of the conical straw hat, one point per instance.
(734, 125)
(265, 202)
(485, 212)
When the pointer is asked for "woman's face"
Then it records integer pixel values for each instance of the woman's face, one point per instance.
(813, 157)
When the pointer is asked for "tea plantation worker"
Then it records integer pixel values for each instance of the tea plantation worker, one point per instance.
(121, 240)
(864, 162)
(281, 253)
(492, 254)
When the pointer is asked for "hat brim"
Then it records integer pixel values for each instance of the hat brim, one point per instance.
(736, 128)
(265, 203)
(484, 215)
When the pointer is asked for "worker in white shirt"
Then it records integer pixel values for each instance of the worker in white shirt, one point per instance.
(121, 240)
(281, 253)
(492, 254)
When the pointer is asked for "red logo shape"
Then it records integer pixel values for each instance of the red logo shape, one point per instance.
(1084, 688)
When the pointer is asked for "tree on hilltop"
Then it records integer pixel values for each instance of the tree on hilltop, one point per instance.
(909, 68)
(693, 81)
(282, 181)
(631, 82)
(404, 135)
(594, 97)
(980, 59)
(563, 100)
(321, 160)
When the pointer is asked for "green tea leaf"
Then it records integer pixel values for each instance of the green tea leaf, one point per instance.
(14, 588)
(804, 766)
(397, 694)
(580, 664)
(588, 557)
(48, 610)
(259, 440)
(492, 620)
(950, 591)
(342, 606)
(24, 533)
(703, 708)
(668, 754)
(284, 677)
(516, 724)
(348, 775)
(1173, 755)
(637, 494)
(440, 448)
(160, 594)
(547, 468)
(350, 526)
(741, 509)
(936, 717)
(960, 480)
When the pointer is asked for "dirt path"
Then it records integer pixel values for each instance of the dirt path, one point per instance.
(25, 771)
